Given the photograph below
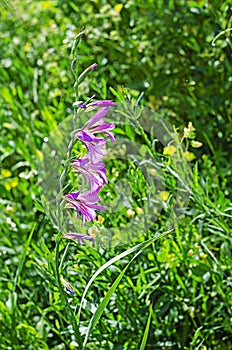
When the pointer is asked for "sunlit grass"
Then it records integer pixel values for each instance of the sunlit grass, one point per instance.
(177, 293)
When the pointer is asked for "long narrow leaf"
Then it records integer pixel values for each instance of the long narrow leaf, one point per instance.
(146, 332)
(116, 258)
(22, 260)
(106, 299)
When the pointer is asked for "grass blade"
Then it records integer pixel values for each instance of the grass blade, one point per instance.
(145, 335)
(106, 299)
(116, 258)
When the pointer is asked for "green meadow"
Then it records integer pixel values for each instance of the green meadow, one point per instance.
(159, 274)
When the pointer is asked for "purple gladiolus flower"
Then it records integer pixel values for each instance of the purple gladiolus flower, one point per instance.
(95, 149)
(84, 204)
(97, 124)
(94, 171)
(80, 237)
(91, 166)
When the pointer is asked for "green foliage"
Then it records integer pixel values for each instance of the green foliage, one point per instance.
(177, 294)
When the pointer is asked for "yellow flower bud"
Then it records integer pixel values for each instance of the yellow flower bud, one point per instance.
(164, 195)
(169, 150)
(100, 219)
(139, 210)
(189, 156)
(190, 252)
(196, 144)
(130, 212)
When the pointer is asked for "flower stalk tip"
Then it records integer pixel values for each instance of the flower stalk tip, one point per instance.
(69, 288)
(94, 66)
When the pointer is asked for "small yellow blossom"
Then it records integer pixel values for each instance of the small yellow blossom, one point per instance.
(130, 212)
(100, 219)
(5, 173)
(196, 144)
(169, 150)
(39, 154)
(189, 156)
(189, 131)
(11, 183)
(202, 255)
(164, 195)
(118, 7)
(155, 211)
(139, 210)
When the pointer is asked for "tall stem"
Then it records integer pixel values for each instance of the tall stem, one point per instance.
(70, 312)
(59, 202)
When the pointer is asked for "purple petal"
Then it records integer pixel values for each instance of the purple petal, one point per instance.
(81, 162)
(85, 203)
(111, 136)
(88, 214)
(73, 195)
(89, 197)
(86, 136)
(95, 172)
(102, 127)
(95, 151)
(100, 114)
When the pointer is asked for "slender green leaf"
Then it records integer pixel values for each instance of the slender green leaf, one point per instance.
(146, 332)
(106, 299)
(116, 258)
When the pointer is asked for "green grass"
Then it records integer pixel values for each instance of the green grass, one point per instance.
(176, 293)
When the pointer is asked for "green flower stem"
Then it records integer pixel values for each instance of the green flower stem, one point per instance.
(60, 200)
(70, 312)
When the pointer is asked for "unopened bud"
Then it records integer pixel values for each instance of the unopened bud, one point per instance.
(86, 71)
(93, 66)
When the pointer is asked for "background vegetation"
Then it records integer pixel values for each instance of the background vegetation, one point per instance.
(165, 49)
